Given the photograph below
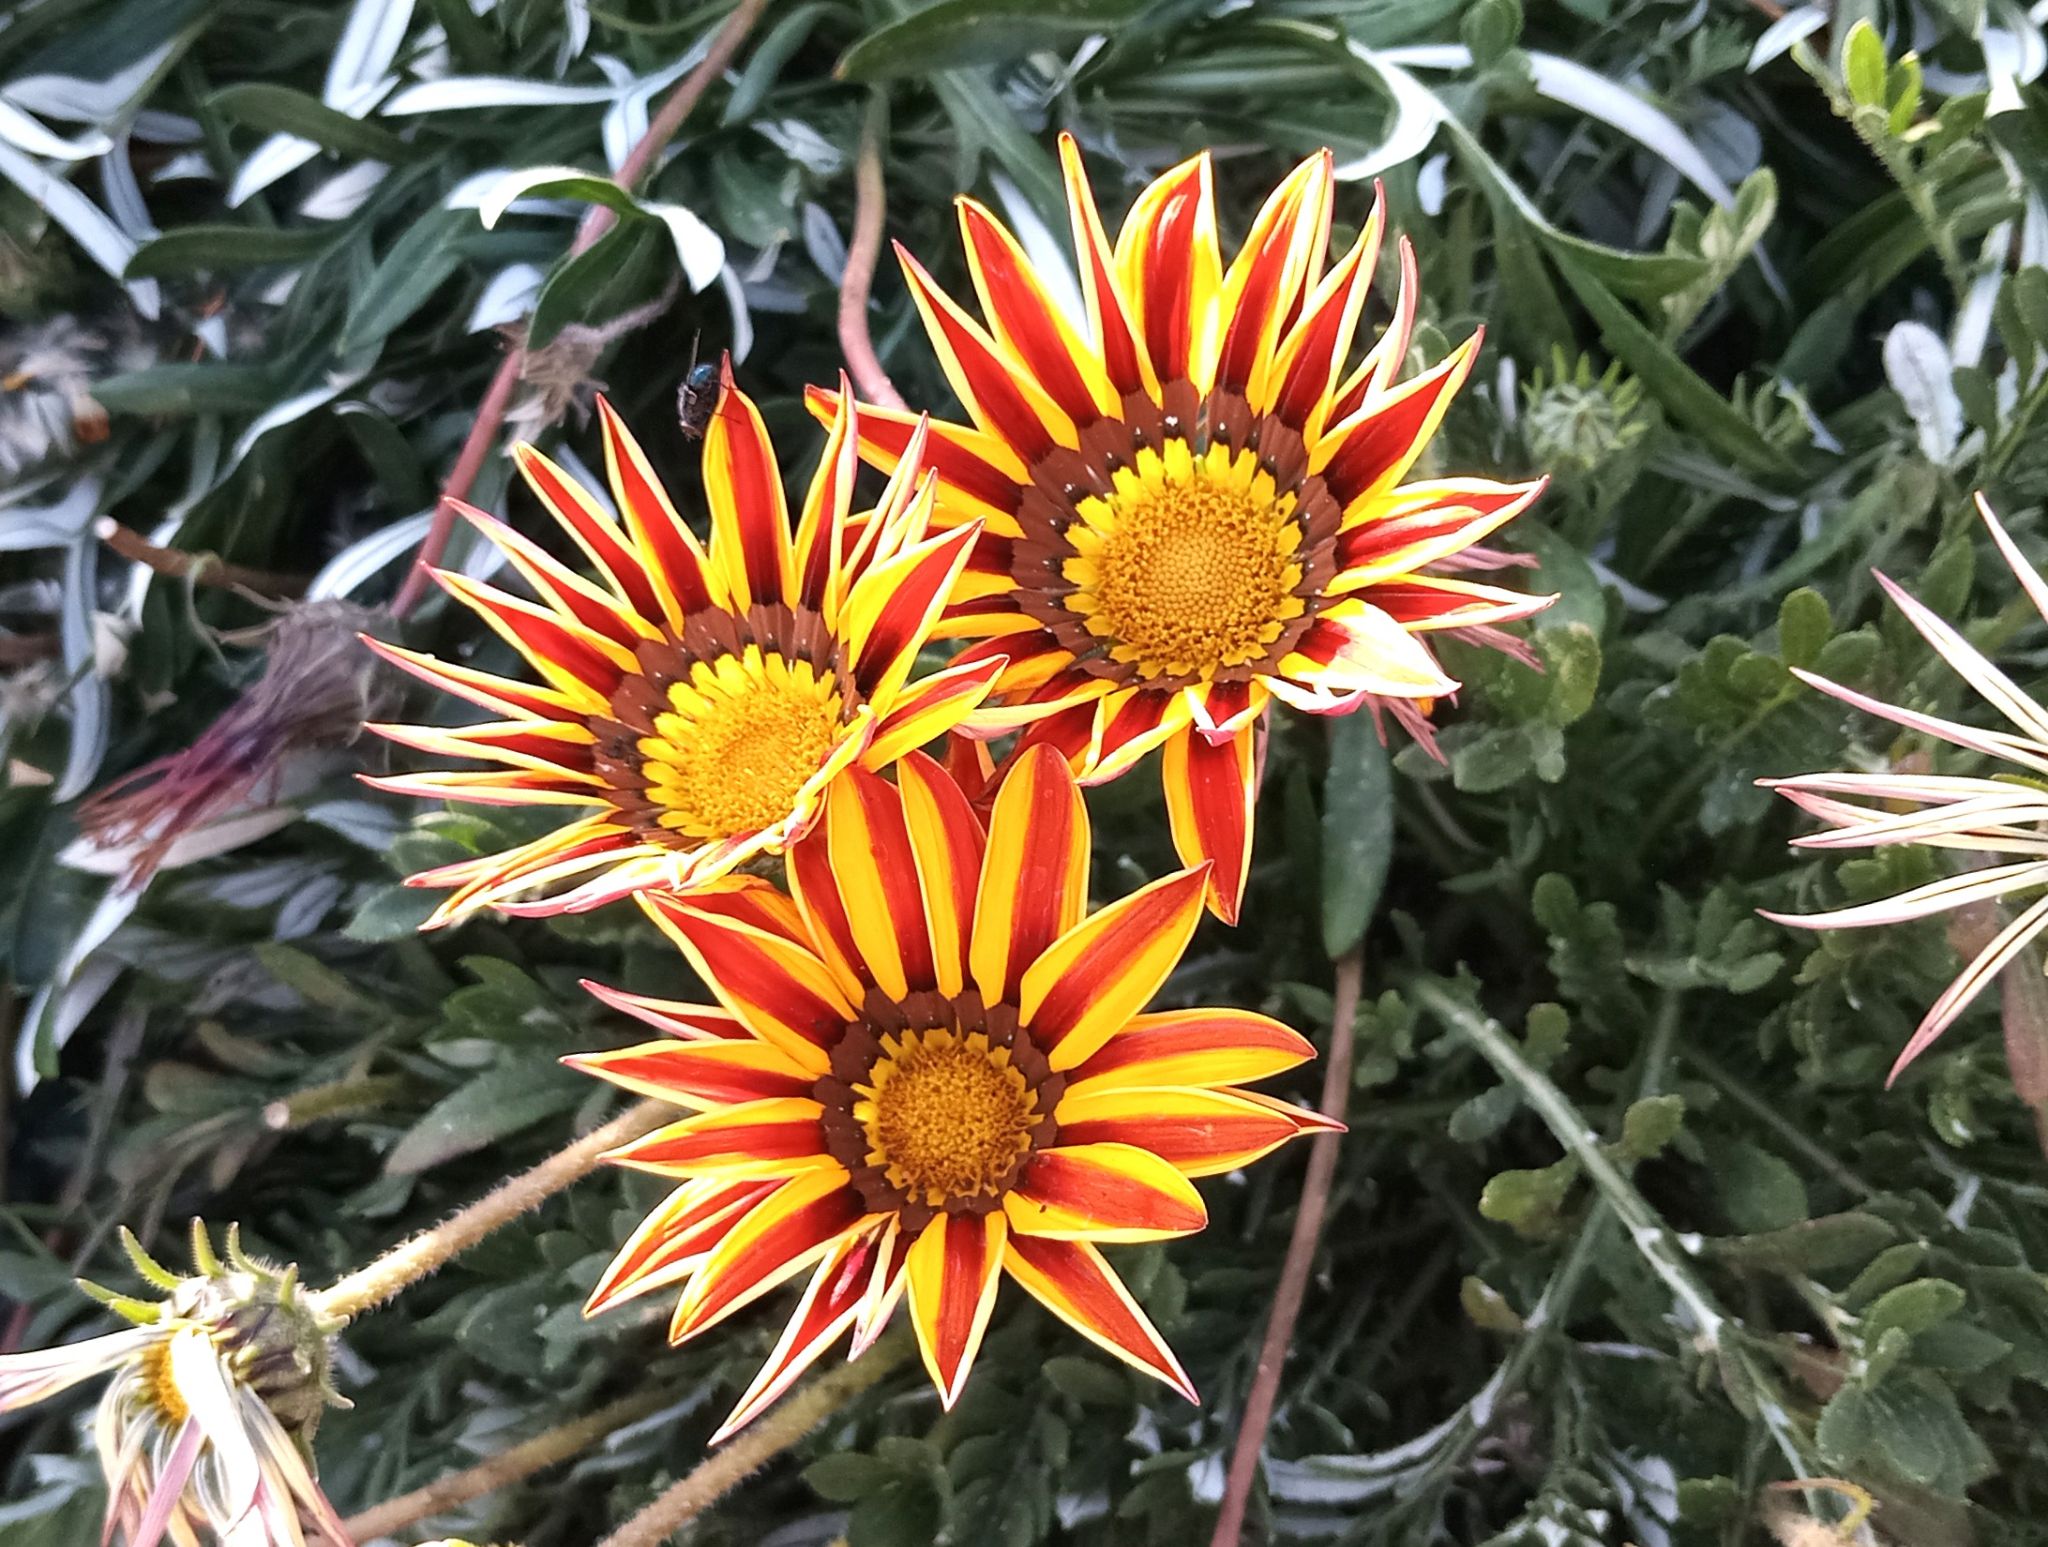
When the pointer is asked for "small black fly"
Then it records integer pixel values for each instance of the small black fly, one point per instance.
(697, 397)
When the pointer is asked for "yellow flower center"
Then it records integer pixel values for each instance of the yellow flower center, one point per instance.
(946, 1115)
(1189, 565)
(163, 1393)
(737, 742)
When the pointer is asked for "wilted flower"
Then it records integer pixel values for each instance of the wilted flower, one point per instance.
(207, 1423)
(2003, 817)
(46, 376)
(315, 690)
(1193, 503)
(928, 1069)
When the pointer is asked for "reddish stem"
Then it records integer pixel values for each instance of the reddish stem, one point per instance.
(1301, 1253)
(199, 568)
(863, 365)
(490, 414)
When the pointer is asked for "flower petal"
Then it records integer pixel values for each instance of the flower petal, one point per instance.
(780, 989)
(952, 1272)
(930, 707)
(946, 841)
(1103, 1192)
(749, 517)
(1070, 1279)
(781, 1136)
(691, 1022)
(594, 532)
(1986, 965)
(1034, 876)
(674, 1238)
(678, 568)
(1210, 791)
(697, 1074)
(1197, 1132)
(1088, 984)
(784, 1234)
(1170, 271)
(875, 871)
(830, 1303)
(1193, 1047)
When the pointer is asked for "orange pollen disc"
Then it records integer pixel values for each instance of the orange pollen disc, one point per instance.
(1188, 567)
(736, 743)
(946, 1116)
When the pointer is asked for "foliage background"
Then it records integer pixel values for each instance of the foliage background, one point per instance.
(1598, 1276)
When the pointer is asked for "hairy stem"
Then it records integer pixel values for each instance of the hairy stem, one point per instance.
(490, 414)
(410, 1261)
(781, 1427)
(507, 1467)
(1301, 1254)
(856, 285)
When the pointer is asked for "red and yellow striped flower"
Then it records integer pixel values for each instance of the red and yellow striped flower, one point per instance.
(931, 1065)
(696, 702)
(1191, 508)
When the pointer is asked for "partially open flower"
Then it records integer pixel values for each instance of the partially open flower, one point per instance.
(694, 702)
(1193, 503)
(931, 1068)
(2002, 817)
(206, 1426)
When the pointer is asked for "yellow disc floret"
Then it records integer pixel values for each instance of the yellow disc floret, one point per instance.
(739, 739)
(1189, 564)
(947, 1116)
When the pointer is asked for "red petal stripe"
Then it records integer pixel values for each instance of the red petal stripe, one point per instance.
(1390, 433)
(650, 515)
(1167, 266)
(754, 1141)
(540, 632)
(1114, 336)
(803, 1231)
(1017, 310)
(885, 435)
(738, 455)
(1086, 1288)
(996, 400)
(571, 505)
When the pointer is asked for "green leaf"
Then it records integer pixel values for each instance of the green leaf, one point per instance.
(281, 110)
(1529, 1202)
(1909, 1425)
(972, 32)
(846, 1478)
(1571, 662)
(190, 249)
(1759, 1191)
(198, 387)
(314, 981)
(418, 264)
(1650, 1124)
(1684, 395)
(1490, 28)
(1357, 830)
(502, 1100)
(1863, 65)
(1804, 627)
(1087, 1381)
(1811, 1246)
(1914, 1307)
(627, 267)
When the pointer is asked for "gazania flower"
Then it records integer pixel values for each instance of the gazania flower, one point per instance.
(694, 703)
(206, 1426)
(2003, 818)
(929, 1068)
(1191, 506)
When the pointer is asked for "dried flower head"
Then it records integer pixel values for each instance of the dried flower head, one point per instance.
(206, 1425)
(315, 691)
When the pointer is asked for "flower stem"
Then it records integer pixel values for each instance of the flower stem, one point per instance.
(491, 412)
(1301, 1255)
(507, 1467)
(755, 1447)
(856, 283)
(411, 1261)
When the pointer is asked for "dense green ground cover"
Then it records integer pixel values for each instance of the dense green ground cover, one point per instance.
(1627, 1225)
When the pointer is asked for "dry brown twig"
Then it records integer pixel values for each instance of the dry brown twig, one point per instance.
(262, 586)
(497, 400)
